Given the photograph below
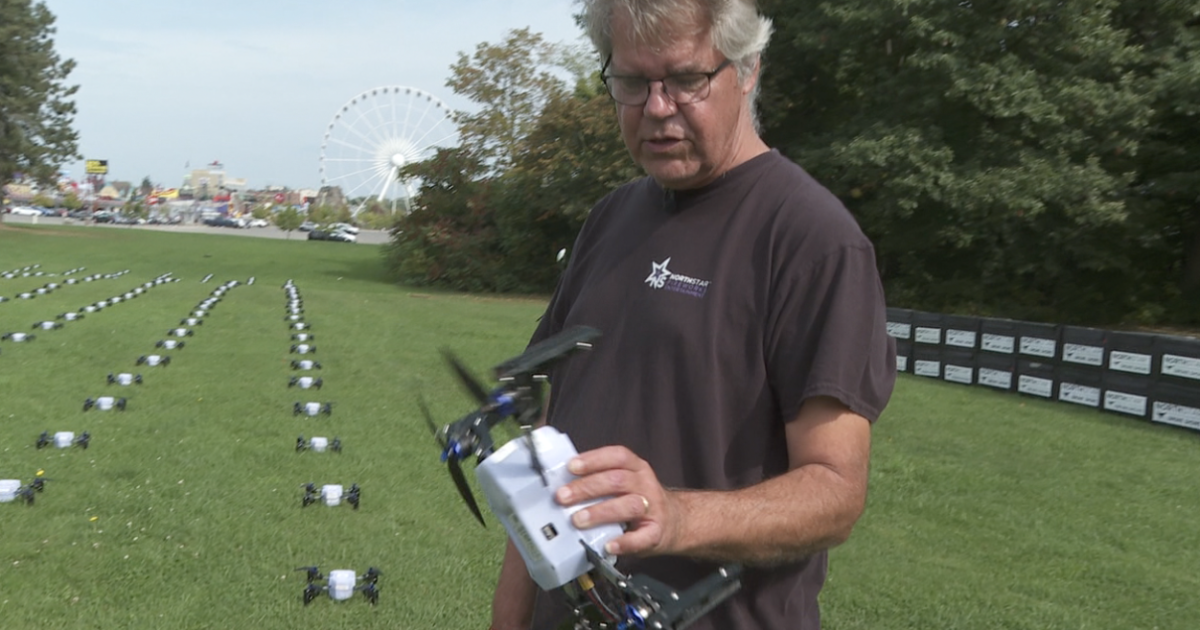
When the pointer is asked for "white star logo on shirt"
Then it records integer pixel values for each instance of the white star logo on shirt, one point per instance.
(658, 274)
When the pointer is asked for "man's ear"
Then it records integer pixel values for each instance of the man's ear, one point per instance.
(752, 80)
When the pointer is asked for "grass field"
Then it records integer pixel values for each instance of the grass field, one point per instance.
(986, 510)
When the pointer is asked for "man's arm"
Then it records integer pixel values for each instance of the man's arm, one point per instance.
(811, 507)
(512, 603)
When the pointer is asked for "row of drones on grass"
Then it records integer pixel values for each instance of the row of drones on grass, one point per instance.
(68, 439)
(340, 584)
(71, 316)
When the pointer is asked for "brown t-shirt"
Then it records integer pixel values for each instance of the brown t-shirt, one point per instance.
(722, 310)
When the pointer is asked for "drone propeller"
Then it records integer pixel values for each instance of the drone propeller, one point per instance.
(314, 573)
(352, 495)
(452, 458)
(468, 380)
(43, 439)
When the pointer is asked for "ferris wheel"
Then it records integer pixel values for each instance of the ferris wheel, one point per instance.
(376, 134)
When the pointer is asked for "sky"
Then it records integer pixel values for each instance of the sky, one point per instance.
(167, 86)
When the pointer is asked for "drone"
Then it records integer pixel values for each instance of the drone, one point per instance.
(169, 344)
(305, 382)
(153, 360)
(331, 494)
(104, 403)
(63, 439)
(17, 337)
(47, 325)
(519, 480)
(304, 337)
(306, 365)
(191, 321)
(124, 378)
(341, 584)
(11, 489)
(312, 408)
(303, 348)
(70, 317)
(318, 444)
(180, 332)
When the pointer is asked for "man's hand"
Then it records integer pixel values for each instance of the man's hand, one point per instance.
(633, 494)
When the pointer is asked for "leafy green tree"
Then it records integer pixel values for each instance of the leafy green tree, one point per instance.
(982, 145)
(146, 186)
(36, 110)
(288, 220)
(71, 201)
(260, 212)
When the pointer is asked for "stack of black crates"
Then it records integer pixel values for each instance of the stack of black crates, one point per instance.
(1146, 376)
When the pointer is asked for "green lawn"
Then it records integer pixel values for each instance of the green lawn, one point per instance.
(986, 510)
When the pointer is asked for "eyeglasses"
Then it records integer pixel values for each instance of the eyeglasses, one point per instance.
(683, 88)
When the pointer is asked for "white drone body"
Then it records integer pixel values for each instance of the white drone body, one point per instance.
(116, 299)
(8, 489)
(331, 494)
(341, 583)
(180, 332)
(299, 325)
(305, 365)
(303, 348)
(64, 439)
(154, 359)
(540, 527)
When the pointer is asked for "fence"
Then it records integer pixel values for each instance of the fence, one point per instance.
(1148, 376)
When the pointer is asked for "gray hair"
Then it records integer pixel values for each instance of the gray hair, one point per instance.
(737, 29)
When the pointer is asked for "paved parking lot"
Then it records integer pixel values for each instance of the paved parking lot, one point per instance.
(368, 237)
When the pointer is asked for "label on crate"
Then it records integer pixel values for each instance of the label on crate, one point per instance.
(998, 343)
(901, 363)
(1129, 362)
(929, 335)
(960, 338)
(995, 378)
(927, 368)
(960, 374)
(1178, 415)
(1086, 355)
(899, 330)
(1183, 367)
(1038, 347)
(1035, 386)
(1131, 404)
(1079, 394)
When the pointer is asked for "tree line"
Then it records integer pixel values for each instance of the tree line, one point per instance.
(1018, 158)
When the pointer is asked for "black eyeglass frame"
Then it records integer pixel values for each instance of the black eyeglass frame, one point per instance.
(708, 77)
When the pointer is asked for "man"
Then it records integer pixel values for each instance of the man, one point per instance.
(725, 414)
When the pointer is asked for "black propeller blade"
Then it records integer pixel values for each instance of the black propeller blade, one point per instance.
(472, 384)
(452, 462)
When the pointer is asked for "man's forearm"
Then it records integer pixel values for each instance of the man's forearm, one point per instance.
(512, 603)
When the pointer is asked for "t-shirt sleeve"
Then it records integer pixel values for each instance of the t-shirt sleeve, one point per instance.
(828, 334)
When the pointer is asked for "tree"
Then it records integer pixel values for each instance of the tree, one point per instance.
(36, 110)
(288, 220)
(984, 146)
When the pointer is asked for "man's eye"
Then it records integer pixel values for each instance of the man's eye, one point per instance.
(630, 84)
(687, 82)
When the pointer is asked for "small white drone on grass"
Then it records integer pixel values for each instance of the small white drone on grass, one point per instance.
(318, 444)
(180, 332)
(304, 337)
(331, 494)
(306, 365)
(124, 379)
(191, 321)
(17, 337)
(169, 344)
(47, 325)
(303, 348)
(10, 489)
(305, 382)
(312, 408)
(26, 295)
(300, 326)
(64, 439)
(105, 403)
(341, 584)
(70, 317)
(153, 360)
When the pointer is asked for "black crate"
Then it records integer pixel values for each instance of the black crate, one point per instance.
(1079, 385)
(1037, 340)
(1126, 394)
(996, 371)
(1130, 352)
(1035, 378)
(1177, 359)
(958, 366)
(899, 323)
(960, 332)
(1083, 346)
(927, 361)
(998, 336)
(1175, 404)
(927, 328)
(904, 350)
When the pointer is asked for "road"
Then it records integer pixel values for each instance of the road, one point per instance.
(367, 237)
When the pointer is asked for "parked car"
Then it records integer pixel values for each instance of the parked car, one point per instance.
(345, 227)
(308, 226)
(25, 211)
(257, 223)
(223, 222)
(332, 235)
